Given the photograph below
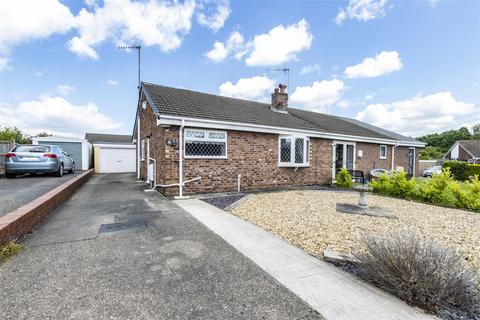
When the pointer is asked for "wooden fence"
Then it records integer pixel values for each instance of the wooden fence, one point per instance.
(5, 146)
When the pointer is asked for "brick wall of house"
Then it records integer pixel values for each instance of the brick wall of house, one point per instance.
(255, 157)
(371, 158)
(252, 155)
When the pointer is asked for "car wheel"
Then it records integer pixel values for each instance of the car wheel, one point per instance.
(73, 168)
(10, 175)
(59, 172)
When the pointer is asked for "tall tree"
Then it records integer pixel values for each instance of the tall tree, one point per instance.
(446, 139)
(476, 131)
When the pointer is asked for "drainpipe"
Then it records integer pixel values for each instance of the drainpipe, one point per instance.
(180, 159)
(393, 156)
(138, 148)
(238, 182)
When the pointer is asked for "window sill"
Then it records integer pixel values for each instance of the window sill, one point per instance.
(293, 165)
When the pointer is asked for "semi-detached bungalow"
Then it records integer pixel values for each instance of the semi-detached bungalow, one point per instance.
(191, 142)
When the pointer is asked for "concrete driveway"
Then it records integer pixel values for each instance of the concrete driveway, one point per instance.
(16, 192)
(167, 266)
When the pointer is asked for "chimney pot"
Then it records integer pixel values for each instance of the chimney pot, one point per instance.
(279, 99)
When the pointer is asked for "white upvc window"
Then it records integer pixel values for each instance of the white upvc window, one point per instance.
(383, 152)
(142, 150)
(293, 151)
(205, 144)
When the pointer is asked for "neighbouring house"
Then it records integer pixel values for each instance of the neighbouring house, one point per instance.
(79, 149)
(464, 150)
(191, 142)
(112, 152)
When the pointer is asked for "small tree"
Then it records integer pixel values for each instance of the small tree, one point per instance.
(344, 179)
(13, 134)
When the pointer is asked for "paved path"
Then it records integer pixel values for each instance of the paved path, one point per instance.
(332, 292)
(171, 268)
(14, 193)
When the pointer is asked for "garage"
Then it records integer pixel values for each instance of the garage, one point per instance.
(79, 149)
(114, 158)
(112, 153)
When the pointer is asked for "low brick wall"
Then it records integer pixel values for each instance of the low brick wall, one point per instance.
(17, 223)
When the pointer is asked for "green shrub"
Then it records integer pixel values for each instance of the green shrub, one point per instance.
(396, 185)
(462, 170)
(440, 189)
(344, 179)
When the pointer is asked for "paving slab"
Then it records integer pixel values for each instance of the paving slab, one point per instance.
(332, 292)
(174, 268)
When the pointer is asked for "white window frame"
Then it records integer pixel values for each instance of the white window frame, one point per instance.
(306, 151)
(345, 160)
(386, 151)
(205, 138)
(142, 150)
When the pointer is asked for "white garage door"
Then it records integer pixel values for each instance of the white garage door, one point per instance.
(117, 160)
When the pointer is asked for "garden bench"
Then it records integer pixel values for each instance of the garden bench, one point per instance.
(357, 176)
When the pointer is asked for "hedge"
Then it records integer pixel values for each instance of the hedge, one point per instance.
(462, 170)
(440, 189)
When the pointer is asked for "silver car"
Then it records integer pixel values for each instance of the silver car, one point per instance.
(38, 159)
(430, 171)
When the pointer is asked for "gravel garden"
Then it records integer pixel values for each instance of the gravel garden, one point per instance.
(309, 220)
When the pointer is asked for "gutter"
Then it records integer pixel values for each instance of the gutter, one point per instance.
(226, 125)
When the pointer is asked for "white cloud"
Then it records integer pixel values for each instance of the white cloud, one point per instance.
(344, 104)
(26, 20)
(65, 89)
(153, 23)
(279, 45)
(235, 45)
(369, 97)
(362, 10)
(4, 63)
(218, 53)
(421, 114)
(214, 19)
(82, 49)
(56, 115)
(384, 63)
(160, 23)
(254, 88)
(39, 74)
(319, 96)
(310, 68)
(112, 82)
(433, 3)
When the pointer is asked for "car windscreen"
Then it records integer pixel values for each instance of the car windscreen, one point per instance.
(38, 149)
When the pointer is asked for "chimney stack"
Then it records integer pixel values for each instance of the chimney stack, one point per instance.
(279, 99)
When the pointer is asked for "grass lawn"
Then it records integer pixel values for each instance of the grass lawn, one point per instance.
(308, 219)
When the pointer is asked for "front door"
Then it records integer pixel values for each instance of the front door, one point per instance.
(344, 157)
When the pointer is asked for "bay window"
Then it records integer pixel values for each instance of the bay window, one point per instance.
(293, 151)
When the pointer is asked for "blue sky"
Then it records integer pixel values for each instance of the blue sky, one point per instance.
(408, 66)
